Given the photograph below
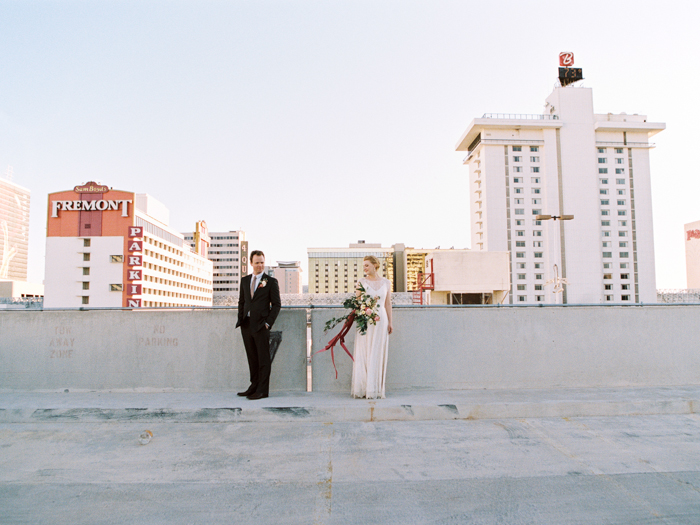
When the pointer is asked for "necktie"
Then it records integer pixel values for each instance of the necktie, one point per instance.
(252, 285)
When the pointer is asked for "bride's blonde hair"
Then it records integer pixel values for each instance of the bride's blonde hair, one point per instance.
(373, 260)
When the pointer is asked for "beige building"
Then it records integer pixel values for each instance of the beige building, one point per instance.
(692, 255)
(14, 230)
(336, 270)
(228, 251)
(288, 275)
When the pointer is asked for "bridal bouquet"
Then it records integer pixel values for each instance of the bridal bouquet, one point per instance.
(363, 308)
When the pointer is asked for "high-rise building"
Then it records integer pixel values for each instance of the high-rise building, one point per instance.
(14, 230)
(110, 248)
(336, 270)
(228, 252)
(567, 161)
(288, 275)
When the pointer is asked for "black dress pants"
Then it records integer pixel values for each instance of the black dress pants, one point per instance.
(257, 348)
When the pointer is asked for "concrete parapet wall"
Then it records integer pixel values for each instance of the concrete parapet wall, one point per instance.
(515, 347)
(141, 350)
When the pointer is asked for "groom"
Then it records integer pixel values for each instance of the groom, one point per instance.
(258, 306)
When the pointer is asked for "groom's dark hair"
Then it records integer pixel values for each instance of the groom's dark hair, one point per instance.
(256, 252)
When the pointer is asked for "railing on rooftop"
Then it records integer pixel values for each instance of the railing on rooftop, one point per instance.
(522, 116)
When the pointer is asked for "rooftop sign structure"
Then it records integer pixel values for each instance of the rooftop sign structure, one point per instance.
(567, 74)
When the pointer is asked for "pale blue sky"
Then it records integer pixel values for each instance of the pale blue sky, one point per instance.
(318, 123)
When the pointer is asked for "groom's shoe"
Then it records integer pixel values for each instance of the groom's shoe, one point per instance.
(247, 393)
(257, 396)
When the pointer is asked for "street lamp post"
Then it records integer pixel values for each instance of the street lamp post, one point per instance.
(557, 281)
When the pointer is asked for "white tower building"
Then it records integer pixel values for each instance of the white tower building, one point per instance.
(229, 253)
(568, 161)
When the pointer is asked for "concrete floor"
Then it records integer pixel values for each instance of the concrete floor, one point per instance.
(564, 470)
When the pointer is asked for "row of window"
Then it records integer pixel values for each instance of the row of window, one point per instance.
(532, 148)
(618, 171)
(617, 181)
(518, 158)
(535, 244)
(619, 151)
(533, 180)
(620, 213)
(603, 160)
(605, 191)
(523, 298)
(536, 202)
(519, 169)
(522, 190)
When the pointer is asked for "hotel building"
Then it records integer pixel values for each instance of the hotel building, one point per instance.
(336, 270)
(14, 230)
(228, 252)
(110, 248)
(288, 275)
(567, 161)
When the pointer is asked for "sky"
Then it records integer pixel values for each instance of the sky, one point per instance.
(320, 123)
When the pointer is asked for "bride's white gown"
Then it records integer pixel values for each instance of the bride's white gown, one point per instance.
(371, 349)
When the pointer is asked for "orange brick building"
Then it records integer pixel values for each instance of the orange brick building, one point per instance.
(110, 248)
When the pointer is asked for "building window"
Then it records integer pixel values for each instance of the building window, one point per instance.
(517, 148)
(522, 298)
(537, 233)
(608, 286)
(86, 271)
(522, 287)
(519, 222)
(624, 255)
(603, 170)
(605, 223)
(86, 285)
(86, 299)
(625, 286)
(602, 160)
(536, 223)
(607, 255)
(607, 266)
(606, 244)
(538, 255)
(535, 190)
(539, 276)
(603, 191)
(537, 244)
(521, 266)
(86, 243)
(538, 266)
(518, 190)
(624, 276)
(623, 244)
(608, 297)
(518, 201)
(624, 265)
(619, 161)
(621, 192)
(86, 257)
(537, 212)
(607, 276)
(517, 169)
(619, 171)
(625, 297)
(535, 180)
(620, 202)
(534, 169)
(539, 287)
(517, 180)
(534, 148)
(534, 159)
(604, 202)
(621, 212)
(115, 288)
(606, 234)
(116, 258)
(605, 212)
(519, 211)
(601, 150)
(603, 181)
(618, 150)
(520, 244)
(520, 255)
(620, 181)
(539, 298)
(520, 233)
(622, 223)
(536, 201)
(517, 159)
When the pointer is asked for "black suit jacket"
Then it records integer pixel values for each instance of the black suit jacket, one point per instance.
(263, 306)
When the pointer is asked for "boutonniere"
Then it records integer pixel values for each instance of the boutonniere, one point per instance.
(263, 283)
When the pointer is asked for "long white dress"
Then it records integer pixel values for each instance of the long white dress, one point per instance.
(371, 349)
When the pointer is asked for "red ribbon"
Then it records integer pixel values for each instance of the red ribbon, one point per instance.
(340, 338)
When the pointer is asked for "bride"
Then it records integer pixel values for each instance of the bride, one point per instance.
(371, 349)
